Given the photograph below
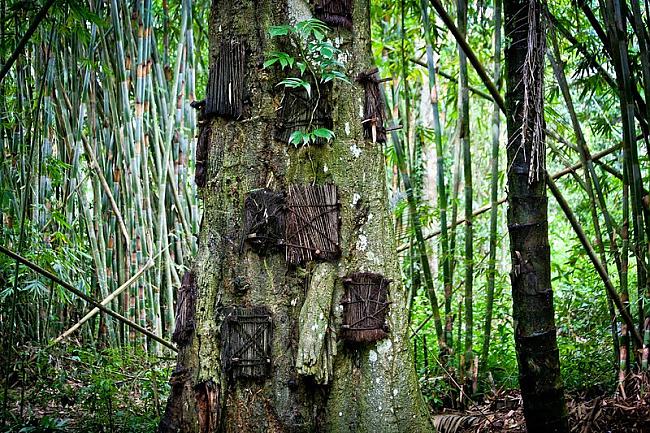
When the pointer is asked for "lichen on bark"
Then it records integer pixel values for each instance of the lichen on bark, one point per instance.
(371, 387)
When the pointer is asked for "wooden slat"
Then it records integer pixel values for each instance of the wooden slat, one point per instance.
(364, 307)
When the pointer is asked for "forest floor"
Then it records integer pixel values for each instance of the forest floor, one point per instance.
(589, 412)
(71, 389)
(74, 390)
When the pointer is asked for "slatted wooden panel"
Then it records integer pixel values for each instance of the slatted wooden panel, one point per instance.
(374, 107)
(226, 87)
(264, 215)
(300, 112)
(365, 305)
(247, 336)
(185, 310)
(312, 226)
(335, 12)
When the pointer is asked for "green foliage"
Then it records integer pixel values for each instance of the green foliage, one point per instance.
(315, 62)
(81, 390)
(46, 424)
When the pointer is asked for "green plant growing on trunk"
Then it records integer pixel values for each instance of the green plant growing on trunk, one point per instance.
(316, 382)
(316, 59)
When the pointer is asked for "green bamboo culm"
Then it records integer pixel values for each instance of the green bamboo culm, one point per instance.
(494, 190)
(116, 124)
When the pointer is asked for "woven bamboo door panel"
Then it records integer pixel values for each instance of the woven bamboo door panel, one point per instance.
(264, 216)
(247, 336)
(365, 305)
(312, 226)
(300, 111)
(374, 107)
(226, 87)
(335, 12)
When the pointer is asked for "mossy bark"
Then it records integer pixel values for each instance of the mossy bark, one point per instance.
(318, 382)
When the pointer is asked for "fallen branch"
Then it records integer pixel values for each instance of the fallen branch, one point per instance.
(449, 22)
(26, 37)
(86, 298)
(594, 259)
(108, 299)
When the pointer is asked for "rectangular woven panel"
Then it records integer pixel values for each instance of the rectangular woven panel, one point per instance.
(312, 225)
(208, 406)
(185, 310)
(225, 93)
(247, 336)
(202, 154)
(374, 107)
(365, 305)
(264, 215)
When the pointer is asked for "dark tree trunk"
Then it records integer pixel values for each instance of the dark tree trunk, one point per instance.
(535, 333)
(309, 379)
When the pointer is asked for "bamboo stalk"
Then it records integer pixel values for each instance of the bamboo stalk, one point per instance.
(494, 191)
(502, 200)
(85, 297)
(415, 220)
(463, 127)
(104, 302)
(440, 177)
(592, 185)
(577, 227)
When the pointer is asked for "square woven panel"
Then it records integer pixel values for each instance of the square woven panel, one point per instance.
(365, 305)
(301, 112)
(312, 225)
(264, 216)
(247, 336)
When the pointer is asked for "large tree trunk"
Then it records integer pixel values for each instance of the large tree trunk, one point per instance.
(315, 381)
(534, 322)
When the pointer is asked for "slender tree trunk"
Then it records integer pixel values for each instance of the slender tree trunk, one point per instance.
(316, 381)
(591, 183)
(440, 178)
(494, 189)
(613, 12)
(533, 314)
(463, 125)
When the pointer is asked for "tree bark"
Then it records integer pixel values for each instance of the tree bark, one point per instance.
(317, 382)
(534, 322)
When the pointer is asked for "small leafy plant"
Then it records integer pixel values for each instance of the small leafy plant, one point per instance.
(316, 60)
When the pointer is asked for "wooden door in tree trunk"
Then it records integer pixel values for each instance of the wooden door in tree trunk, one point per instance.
(287, 367)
